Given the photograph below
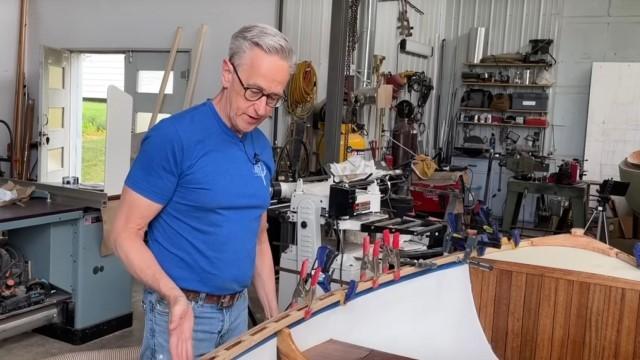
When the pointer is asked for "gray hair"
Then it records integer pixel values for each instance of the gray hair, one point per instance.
(263, 37)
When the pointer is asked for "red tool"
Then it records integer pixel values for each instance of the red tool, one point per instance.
(364, 264)
(300, 289)
(376, 263)
(396, 253)
(311, 292)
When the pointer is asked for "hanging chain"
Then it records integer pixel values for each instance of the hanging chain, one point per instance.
(352, 35)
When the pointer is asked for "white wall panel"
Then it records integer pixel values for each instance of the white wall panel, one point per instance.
(582, 8)
(621, 46)
(588, 41)
(589, 35)
(624, 8)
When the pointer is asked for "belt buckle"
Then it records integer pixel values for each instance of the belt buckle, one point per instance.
(226, 301)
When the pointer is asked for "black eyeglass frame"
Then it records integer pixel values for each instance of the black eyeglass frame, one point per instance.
(248, 91)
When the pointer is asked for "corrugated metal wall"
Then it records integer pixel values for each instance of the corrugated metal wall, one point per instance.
(509, 24)
(307, 24)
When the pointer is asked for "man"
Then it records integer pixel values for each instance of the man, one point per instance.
(201, 185)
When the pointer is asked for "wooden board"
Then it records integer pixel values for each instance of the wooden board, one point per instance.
(338, 350)
(118, 143)
(614, 117)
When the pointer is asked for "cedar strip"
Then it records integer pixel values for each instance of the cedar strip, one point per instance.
(628, 326)
(476, 286)
(578, 320)
(561, 319)
(501, 312)
(545, 318)
(487, 303)
(530, 316)
(611, 323)
(516, 306)
(637, 337)
(595, 316)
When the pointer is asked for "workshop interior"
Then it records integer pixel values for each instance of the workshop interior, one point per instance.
(411, 130)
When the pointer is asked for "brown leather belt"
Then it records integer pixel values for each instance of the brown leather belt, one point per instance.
(223, 301)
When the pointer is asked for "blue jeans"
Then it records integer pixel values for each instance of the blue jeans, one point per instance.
(213, 326)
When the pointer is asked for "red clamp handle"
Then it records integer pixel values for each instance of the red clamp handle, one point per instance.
(376, 250)
(396, 240)
(316, 276)
(304, 268)
(365, 246)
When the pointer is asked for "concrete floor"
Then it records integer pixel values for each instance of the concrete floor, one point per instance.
(31, 346)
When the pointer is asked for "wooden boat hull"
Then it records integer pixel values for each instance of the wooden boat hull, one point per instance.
(558, 312)
(514, 311)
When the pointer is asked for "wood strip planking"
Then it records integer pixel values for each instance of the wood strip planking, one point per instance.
(629, 330)
(546, 313)
(501, 312)
(516, 307)
(487, 303)
(637, 336)
(595, 315)
(612, 314)
(530, 316)
(564, 274)
(561, 319)
(476, 286)
(578, 320)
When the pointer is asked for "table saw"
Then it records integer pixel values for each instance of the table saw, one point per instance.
(58, 233)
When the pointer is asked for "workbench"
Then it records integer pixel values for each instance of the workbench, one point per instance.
(60, 235)
(516, 189)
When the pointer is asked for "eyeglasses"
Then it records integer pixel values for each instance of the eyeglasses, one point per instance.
(255, 94)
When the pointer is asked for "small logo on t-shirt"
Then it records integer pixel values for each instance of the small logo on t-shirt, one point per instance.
(260, 170)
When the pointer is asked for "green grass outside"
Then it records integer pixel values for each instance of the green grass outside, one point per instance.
(94, 131)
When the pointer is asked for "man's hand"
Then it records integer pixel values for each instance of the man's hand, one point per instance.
(180, 328)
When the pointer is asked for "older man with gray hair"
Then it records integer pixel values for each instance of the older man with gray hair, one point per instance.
(201, 186)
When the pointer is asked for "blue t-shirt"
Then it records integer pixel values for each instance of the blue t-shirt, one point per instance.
(214, 186)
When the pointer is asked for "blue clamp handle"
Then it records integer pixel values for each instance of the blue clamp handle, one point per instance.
(636, 253)
(452, 222)
(325, 283)
(351, 291)
(515, 236)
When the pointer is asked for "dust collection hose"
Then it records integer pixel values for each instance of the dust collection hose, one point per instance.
(126, 353)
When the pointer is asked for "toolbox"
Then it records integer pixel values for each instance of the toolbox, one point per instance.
(540, 121)
(529, 101)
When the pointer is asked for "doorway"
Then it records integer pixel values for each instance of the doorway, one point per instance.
(73, 126)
